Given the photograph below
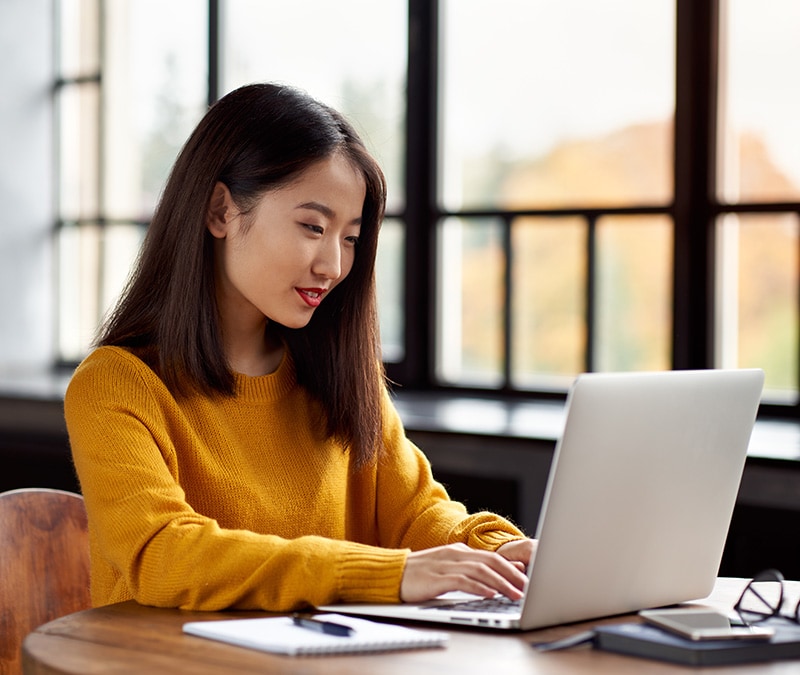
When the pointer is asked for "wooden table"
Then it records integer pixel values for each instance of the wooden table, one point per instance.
(129, 638)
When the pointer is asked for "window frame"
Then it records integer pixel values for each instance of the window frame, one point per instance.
(694, 209)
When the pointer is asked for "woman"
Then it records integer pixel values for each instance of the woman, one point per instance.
(232, 433)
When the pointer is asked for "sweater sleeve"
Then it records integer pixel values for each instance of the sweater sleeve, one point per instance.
(150, 545)
(415, 511)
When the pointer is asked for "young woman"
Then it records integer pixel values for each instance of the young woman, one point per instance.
(232, 432)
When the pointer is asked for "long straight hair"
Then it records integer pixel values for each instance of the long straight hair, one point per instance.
(257, 138)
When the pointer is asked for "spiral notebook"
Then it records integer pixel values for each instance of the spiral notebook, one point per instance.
(280, 635)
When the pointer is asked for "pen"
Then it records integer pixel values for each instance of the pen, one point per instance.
(327, 627)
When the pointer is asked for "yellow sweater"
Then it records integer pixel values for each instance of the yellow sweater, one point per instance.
(209, 503)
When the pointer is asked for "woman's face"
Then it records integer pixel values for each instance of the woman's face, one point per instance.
(282, 258)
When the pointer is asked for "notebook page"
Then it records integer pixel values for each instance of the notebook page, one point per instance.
(281, 636)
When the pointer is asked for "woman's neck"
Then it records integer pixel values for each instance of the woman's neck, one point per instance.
(254, 355)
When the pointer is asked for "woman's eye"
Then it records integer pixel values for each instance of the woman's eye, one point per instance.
(353, 240)
(316, 229)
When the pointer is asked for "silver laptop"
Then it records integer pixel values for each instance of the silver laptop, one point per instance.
(637, 506)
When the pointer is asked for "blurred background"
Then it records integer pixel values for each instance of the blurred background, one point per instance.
(555, 169)
(574, 185)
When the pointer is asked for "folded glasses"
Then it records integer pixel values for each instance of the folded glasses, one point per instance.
(762, 599)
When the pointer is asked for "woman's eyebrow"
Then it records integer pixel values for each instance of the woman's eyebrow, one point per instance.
(326, 211)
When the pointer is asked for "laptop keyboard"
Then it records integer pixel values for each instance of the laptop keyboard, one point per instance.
(497, 604)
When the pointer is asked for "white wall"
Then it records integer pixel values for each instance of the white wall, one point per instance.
(27, 311)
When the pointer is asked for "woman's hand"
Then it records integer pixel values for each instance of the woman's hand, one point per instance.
(519, 550)
(457, 567)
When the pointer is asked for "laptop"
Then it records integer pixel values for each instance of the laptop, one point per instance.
(637, 506)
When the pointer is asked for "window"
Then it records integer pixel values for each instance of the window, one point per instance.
(77, 106)
(758, 188)
(119, 138)
(535, 130)
(130, 92)
(572, 186)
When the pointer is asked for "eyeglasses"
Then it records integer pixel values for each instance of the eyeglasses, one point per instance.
(762, 599)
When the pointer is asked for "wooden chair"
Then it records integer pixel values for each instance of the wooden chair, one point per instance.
(44, 564)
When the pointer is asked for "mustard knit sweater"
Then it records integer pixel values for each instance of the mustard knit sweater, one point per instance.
(214, 502)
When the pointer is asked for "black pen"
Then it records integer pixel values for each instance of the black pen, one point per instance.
(327, 627)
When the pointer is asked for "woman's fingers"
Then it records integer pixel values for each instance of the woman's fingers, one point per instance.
(457, 567)
(519, 550)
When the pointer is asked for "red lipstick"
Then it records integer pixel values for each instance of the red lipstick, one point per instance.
(311, 296)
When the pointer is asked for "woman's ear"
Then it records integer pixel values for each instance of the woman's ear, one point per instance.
(221, 211)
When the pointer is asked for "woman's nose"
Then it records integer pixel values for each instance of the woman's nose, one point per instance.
(328, 263)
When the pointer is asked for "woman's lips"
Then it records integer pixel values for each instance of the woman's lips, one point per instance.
(311, 296)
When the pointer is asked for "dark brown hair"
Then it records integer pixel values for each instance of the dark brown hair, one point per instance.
(257, 138)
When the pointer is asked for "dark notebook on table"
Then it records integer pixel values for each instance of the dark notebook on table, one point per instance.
(638, 639)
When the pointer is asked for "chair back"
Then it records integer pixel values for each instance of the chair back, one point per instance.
(44, 564)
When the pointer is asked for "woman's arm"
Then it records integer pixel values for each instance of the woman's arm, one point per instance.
(480, 553)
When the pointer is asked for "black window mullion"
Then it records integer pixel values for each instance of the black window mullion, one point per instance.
(508, 300)
(695, 157)
(591, 291)
(421, 214)
(794, 410)
(213, 52)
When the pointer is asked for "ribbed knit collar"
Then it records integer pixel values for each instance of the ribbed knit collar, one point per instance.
(268, 387)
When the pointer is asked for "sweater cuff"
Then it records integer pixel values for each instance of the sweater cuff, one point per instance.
(491, 541)
(371, 574)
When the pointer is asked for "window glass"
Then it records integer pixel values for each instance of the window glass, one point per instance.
(119, 249)
(78, 110)
(77, 37)
(77, 107)
(350, 54)
(78, 265)
(470, 301)
(757, 298)
(633, 293)
(155, 91)
(118, 139)
(389, 268)
(93, 265)
(759, 104)
(556, 104)
(548, 300)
